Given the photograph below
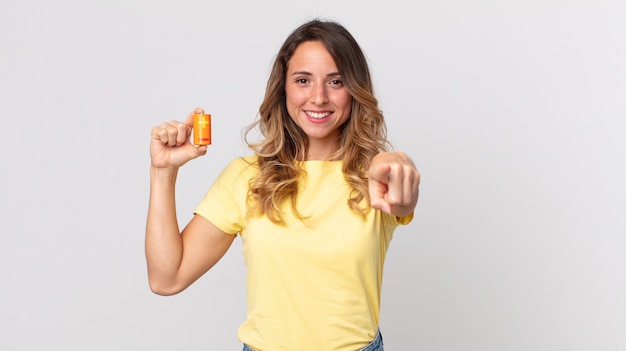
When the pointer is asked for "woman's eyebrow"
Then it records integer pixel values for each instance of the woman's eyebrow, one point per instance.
(307, 73)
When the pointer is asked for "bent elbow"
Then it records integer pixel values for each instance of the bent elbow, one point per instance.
(162, 292)
(163, 289)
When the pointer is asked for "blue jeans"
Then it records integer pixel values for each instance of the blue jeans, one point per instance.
(375, 345)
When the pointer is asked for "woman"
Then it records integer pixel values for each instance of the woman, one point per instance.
(315, 206)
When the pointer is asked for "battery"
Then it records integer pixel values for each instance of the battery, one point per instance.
(202, 129)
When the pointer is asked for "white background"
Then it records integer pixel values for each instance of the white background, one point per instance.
(513, 111)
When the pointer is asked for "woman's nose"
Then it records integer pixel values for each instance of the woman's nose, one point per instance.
(319, 94)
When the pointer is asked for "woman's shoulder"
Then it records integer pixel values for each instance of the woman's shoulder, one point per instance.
(243, 162)
(244, 165)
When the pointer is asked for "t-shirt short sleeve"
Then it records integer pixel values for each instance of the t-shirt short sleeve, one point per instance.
(224, 204)
(405, 220)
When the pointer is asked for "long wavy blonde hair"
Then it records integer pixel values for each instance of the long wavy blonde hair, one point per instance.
(284, 144)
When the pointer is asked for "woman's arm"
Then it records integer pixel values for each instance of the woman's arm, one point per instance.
(175, 259)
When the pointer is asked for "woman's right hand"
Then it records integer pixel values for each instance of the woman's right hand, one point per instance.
(171, 146)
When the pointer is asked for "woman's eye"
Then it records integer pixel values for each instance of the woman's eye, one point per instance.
(337, 82)
(302, 80)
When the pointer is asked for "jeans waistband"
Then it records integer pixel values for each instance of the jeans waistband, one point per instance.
(375, 345)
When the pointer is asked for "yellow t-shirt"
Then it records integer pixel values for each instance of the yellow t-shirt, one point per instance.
(313, 284)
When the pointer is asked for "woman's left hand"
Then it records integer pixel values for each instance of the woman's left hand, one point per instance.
(393, 183)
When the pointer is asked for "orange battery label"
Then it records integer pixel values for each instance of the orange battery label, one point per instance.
(202, 129)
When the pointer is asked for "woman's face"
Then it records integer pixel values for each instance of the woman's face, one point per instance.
(317, 100)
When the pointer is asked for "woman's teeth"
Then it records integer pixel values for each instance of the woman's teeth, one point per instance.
(317, 115)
